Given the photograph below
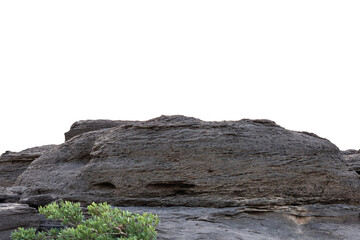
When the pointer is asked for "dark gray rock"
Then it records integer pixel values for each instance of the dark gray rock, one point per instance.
(308, 222)
(14, 215)
(11, 194)
(84, 126)
(39, 200)
(182, 161)
(46, 224)
(12, 164)
(353, 160)
(350, 152)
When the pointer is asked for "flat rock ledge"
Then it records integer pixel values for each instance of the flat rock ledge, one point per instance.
(308, 222)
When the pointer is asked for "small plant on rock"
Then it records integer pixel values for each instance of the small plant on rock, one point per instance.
(105, 223)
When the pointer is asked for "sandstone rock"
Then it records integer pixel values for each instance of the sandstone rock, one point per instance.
(182, 161)
(84, 126)
(14, 215)
(12, 164)
(309, 222)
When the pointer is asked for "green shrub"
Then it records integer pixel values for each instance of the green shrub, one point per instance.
(105, 223)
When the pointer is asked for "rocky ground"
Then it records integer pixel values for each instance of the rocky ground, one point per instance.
(247, 179)
(307, 222)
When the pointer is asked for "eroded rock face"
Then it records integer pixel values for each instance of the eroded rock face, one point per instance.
(12, 164)
(84, 126)
(182, 161)
(14, 215)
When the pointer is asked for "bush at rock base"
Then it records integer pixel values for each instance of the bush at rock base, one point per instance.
(105, 223)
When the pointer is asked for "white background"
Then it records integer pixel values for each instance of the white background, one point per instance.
(294, 62)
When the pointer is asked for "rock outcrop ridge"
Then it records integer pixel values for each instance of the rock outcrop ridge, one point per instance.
(182, 161)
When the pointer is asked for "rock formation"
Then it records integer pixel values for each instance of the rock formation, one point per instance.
(247, 179)
(12, 164)
(14, 215)
(182, 161)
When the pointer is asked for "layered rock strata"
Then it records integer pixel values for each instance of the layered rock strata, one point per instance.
(182, 161)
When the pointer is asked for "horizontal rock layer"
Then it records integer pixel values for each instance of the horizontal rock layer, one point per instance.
(182, 161)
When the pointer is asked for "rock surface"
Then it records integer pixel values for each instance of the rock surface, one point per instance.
(350, 152)
(14, 215)
(308, 222)
(353, 159)
(12, 164)
(84, 126)
(11, 194)
(182, 161)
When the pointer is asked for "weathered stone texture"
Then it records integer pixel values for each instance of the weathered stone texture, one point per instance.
(182, 161)
(12, 164)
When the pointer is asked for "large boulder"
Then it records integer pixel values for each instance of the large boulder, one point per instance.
(182, 161)
(14, 215)
(12, 164)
